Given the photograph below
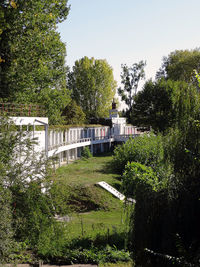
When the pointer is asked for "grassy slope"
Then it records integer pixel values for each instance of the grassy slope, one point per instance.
(86, 173)
(90, 171)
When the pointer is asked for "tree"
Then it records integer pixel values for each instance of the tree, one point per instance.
(167, 101)
(180, 65)
(73, 114)
(163, 104)
(131, 77)
(33, 54)
(93, 86)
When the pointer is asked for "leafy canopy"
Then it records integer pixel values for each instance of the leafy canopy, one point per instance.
(93, 86)
(33, 54)
(130, 78)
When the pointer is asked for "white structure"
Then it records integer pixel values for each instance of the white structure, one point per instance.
(67, 144)
(112, 190)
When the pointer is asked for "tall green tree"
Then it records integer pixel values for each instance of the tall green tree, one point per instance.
(130, 78)
(180, 65)
(163, 104)
(33, 55)
(93, 86)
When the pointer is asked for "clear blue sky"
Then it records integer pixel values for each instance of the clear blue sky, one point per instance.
(126, 31)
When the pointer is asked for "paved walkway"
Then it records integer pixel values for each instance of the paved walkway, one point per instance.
(74, 265)
(83, 265)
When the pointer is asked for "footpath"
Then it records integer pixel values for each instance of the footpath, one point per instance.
(47, 265)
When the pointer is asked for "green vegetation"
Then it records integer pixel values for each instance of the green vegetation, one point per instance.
(33, 66)
(26, 212)
(86, 153)
(161, 170)
(93, 86)
(173, 97)
(146, 149)
(119, 264)
(89, 171)
(130, 78)
(96, 230)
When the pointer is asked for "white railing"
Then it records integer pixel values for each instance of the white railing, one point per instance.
(123, 137)
(119, 138)
(82, 140)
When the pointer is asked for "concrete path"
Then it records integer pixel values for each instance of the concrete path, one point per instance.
(74, 265)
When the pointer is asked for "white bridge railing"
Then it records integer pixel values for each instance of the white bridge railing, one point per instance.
(82, 140)
(99, 139)
(124, 137)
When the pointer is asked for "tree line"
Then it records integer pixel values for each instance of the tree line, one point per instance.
(158, 104)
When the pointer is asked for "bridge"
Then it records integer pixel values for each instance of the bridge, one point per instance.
(66, 144)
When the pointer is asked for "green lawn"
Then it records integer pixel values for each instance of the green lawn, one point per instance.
(95, 222)
(86, 173)
(89, 171)
(100, 218)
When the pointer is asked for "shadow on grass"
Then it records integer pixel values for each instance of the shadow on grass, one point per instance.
(111, 238)
(108, 167)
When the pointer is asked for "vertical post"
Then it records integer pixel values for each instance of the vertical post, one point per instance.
(92, 149)
(101, 147)
(75, 151)
(46, 139)
(59, 156)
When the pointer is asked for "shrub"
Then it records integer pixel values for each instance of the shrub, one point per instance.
(138, 178)
(146, 149)
(92, 255)
(86, 153)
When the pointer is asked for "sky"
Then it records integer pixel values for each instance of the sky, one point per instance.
(127, 31)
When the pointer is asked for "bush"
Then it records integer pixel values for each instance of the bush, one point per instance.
(84, 256)
(146, 149)
(33, 212)
(138, 179)
(86, 153)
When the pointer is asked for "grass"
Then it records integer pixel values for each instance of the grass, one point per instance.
(90, 171)
(82, 176)
(100, 218)
(96, 222)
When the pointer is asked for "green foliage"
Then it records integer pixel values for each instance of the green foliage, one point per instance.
(172, 99)
(26, 212)
(33, 69)
(85, 153)
(164, 104)
(52, 241)
(67, 198)
(84, 256)
(138, 179)
(32, 212)
(93, 86)
(6, 231)
(131, 77)
(172, 210)
(73, 114)
(146, 149)
(7, 144)
(179, 65)
(20, 254)
(197, 76)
